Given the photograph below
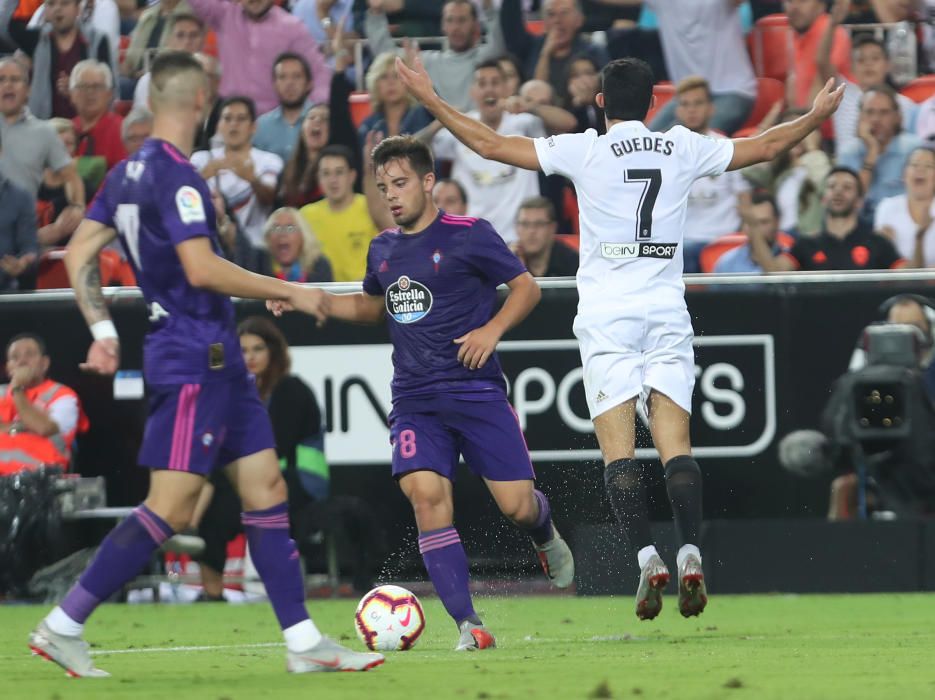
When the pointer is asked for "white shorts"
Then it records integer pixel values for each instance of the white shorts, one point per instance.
(632, 350)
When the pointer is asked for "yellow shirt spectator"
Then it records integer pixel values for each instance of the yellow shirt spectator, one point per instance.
(345, 235)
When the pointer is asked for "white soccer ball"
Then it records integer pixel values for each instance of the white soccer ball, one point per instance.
(389, 618)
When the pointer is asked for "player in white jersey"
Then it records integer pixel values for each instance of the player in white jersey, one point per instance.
(632, 323)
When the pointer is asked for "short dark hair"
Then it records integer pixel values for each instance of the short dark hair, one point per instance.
(187, 17)
(169, 63)
(538, 203)
(863, 40)
(490, 63)
(336, 150)
(764, 197)
(627, 84)
(43, 349)
(409, 148)
(457, 185)
(468, 3)
(882, 89)
(293, 56)
(850, 171)
(239, 100)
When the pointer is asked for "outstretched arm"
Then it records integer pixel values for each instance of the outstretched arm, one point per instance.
(519, 151)
(772, 142)
(359, 307)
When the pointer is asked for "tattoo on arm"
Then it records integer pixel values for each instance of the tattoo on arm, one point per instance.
(88, 293)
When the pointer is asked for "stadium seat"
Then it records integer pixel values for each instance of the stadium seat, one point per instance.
(211, 43)
(746, 132)
(570, 210)
(770, 46)
(360, 107)
(572, 241)
(53, 275)
(769, 91)
(712, 252)
(123, 107)
(536, 27)
(122, 50)
(663, 92)
(920, 89)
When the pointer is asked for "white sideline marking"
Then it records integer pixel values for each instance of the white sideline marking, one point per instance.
(163, 650)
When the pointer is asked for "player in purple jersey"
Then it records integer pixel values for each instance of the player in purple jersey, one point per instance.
(204, 410)
(435, 278)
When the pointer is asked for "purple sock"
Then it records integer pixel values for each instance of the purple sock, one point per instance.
(447, 566)
(122, 555)
(541, 532)
(277, 561)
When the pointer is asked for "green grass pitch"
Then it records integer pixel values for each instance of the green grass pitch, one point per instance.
(762, 647)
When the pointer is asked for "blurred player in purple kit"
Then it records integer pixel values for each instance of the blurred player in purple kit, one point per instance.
(204, 410)
(435, 277)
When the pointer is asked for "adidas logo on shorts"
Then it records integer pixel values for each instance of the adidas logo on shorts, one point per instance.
(601, 396)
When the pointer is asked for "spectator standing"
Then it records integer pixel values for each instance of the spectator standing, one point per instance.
(906, 219)
(323, 19)
(151, 32)
(713, 201)
(493, 188)
(548, 57)
(277, 131)
(341, 221)
(809, 23)
(55, 49)
(261, 31)
(244, 175)
(845, 243)
(451, 69)
(99, 129)
(136, 128)
(299, 183)
(879, 153)
(536, 245)
(207, 133)
(19, 247)
(39, 418)
(31, 146)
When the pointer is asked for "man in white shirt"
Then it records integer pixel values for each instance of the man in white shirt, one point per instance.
(244, 175)
(494, 189)
(633, 325)
(714, 201)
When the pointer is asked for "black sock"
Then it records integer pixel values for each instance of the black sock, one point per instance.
(626, 490)
(683, 483)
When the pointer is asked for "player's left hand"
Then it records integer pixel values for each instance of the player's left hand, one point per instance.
(313, 301)
(477, 346)
(103, 357)
(416, 79)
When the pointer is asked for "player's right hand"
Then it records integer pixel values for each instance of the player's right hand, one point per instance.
(828, 99)
(313, 301)
(103, 357)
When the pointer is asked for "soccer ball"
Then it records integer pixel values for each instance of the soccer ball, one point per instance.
(389, 618)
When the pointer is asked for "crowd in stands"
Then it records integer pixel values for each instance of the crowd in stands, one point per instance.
(301, 91)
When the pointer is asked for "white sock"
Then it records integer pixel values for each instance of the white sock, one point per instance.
(59, 622)
(684, 551)
(302, 636)
(644, 554)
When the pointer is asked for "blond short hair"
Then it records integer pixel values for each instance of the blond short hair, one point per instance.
(692, 82)
(382, 64)
(311, 248)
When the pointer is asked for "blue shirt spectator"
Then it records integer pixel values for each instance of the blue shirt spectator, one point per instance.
(274, 132)
(738, 260)
(307, 11)
(277, 131)
(19, 246)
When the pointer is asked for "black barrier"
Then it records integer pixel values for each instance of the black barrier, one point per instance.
(766, 357)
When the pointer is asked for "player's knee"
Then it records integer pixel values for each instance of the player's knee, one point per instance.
(266, 493)
(521, 511)
(429, 504)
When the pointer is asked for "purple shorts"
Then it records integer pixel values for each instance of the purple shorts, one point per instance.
(199, 427)
(485, 433)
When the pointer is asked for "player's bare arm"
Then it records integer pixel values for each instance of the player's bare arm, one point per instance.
(478, 345)
(356, 308)
(81, 261)
(773, 142)
(204, 269)
(519, 151)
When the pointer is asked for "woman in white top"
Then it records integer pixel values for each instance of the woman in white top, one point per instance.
(906, 219)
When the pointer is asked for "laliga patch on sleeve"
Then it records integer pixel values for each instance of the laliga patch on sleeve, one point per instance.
(188, 202)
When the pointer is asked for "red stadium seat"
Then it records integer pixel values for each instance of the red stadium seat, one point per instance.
(573, 242)
(122, 50)
(769, 91)
(360, 107)
(770, 46)
(536, 27)
(53, 275)
(663, 92)
(123, 107)
(570, 210)
(712, 252)
(920, 89)
(211, 43)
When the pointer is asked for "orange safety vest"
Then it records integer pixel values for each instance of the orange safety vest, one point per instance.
(26, 450)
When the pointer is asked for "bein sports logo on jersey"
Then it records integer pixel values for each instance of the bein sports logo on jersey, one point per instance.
(408, 301)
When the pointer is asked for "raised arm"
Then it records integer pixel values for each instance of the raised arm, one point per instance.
(772, 142)
(519, 151)
(826, 68)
